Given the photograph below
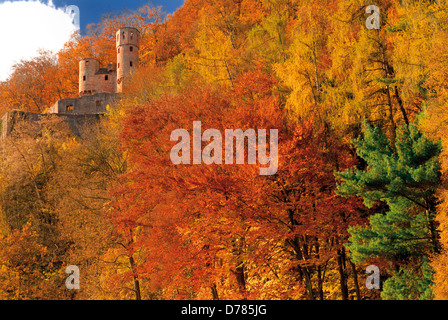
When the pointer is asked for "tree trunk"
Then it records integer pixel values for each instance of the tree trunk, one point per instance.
(342, 277)
(308, 283)
(240, 279)
(320, 280)
(355, 280)
(433, 231)
(135, 278)
(320, 290)
(238, 249)
(400, 105)
(387, 73)
(214, 292)
(391, 117)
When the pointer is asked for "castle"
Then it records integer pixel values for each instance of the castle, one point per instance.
(98, 86)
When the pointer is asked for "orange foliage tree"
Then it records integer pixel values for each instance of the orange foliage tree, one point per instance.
(225, 231)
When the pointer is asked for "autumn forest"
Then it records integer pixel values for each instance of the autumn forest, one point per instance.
(362, 162)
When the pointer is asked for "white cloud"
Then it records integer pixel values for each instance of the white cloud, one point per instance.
(27, 26)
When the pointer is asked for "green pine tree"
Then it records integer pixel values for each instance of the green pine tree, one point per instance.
(410, 284)
(404, 176)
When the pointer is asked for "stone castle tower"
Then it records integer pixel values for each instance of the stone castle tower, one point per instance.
(127, 42)
(94, 79)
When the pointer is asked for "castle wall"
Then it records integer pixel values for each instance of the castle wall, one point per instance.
(105, 83)
(89, 104)
(76, 122)
(11, 118)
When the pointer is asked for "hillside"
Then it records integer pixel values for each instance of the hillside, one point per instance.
(343, 168)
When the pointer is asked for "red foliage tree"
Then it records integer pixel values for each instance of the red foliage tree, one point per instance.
(225, 227)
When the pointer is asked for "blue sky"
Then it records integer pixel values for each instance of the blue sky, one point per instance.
(91, 10)
(45, 24)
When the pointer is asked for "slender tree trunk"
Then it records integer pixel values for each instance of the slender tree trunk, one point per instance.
(214, 292)
(433, 231)
(400, 105)
(342, 277)
(239, 267)
(355, 280)
(303, 271)
(228, 73)
(387, 73)
(320, 279)
(316, 75)
(391, 116)
(135, 279)
(320, 290)
(240, 278)
(308, 272)
(308, 283)
(301, 255)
